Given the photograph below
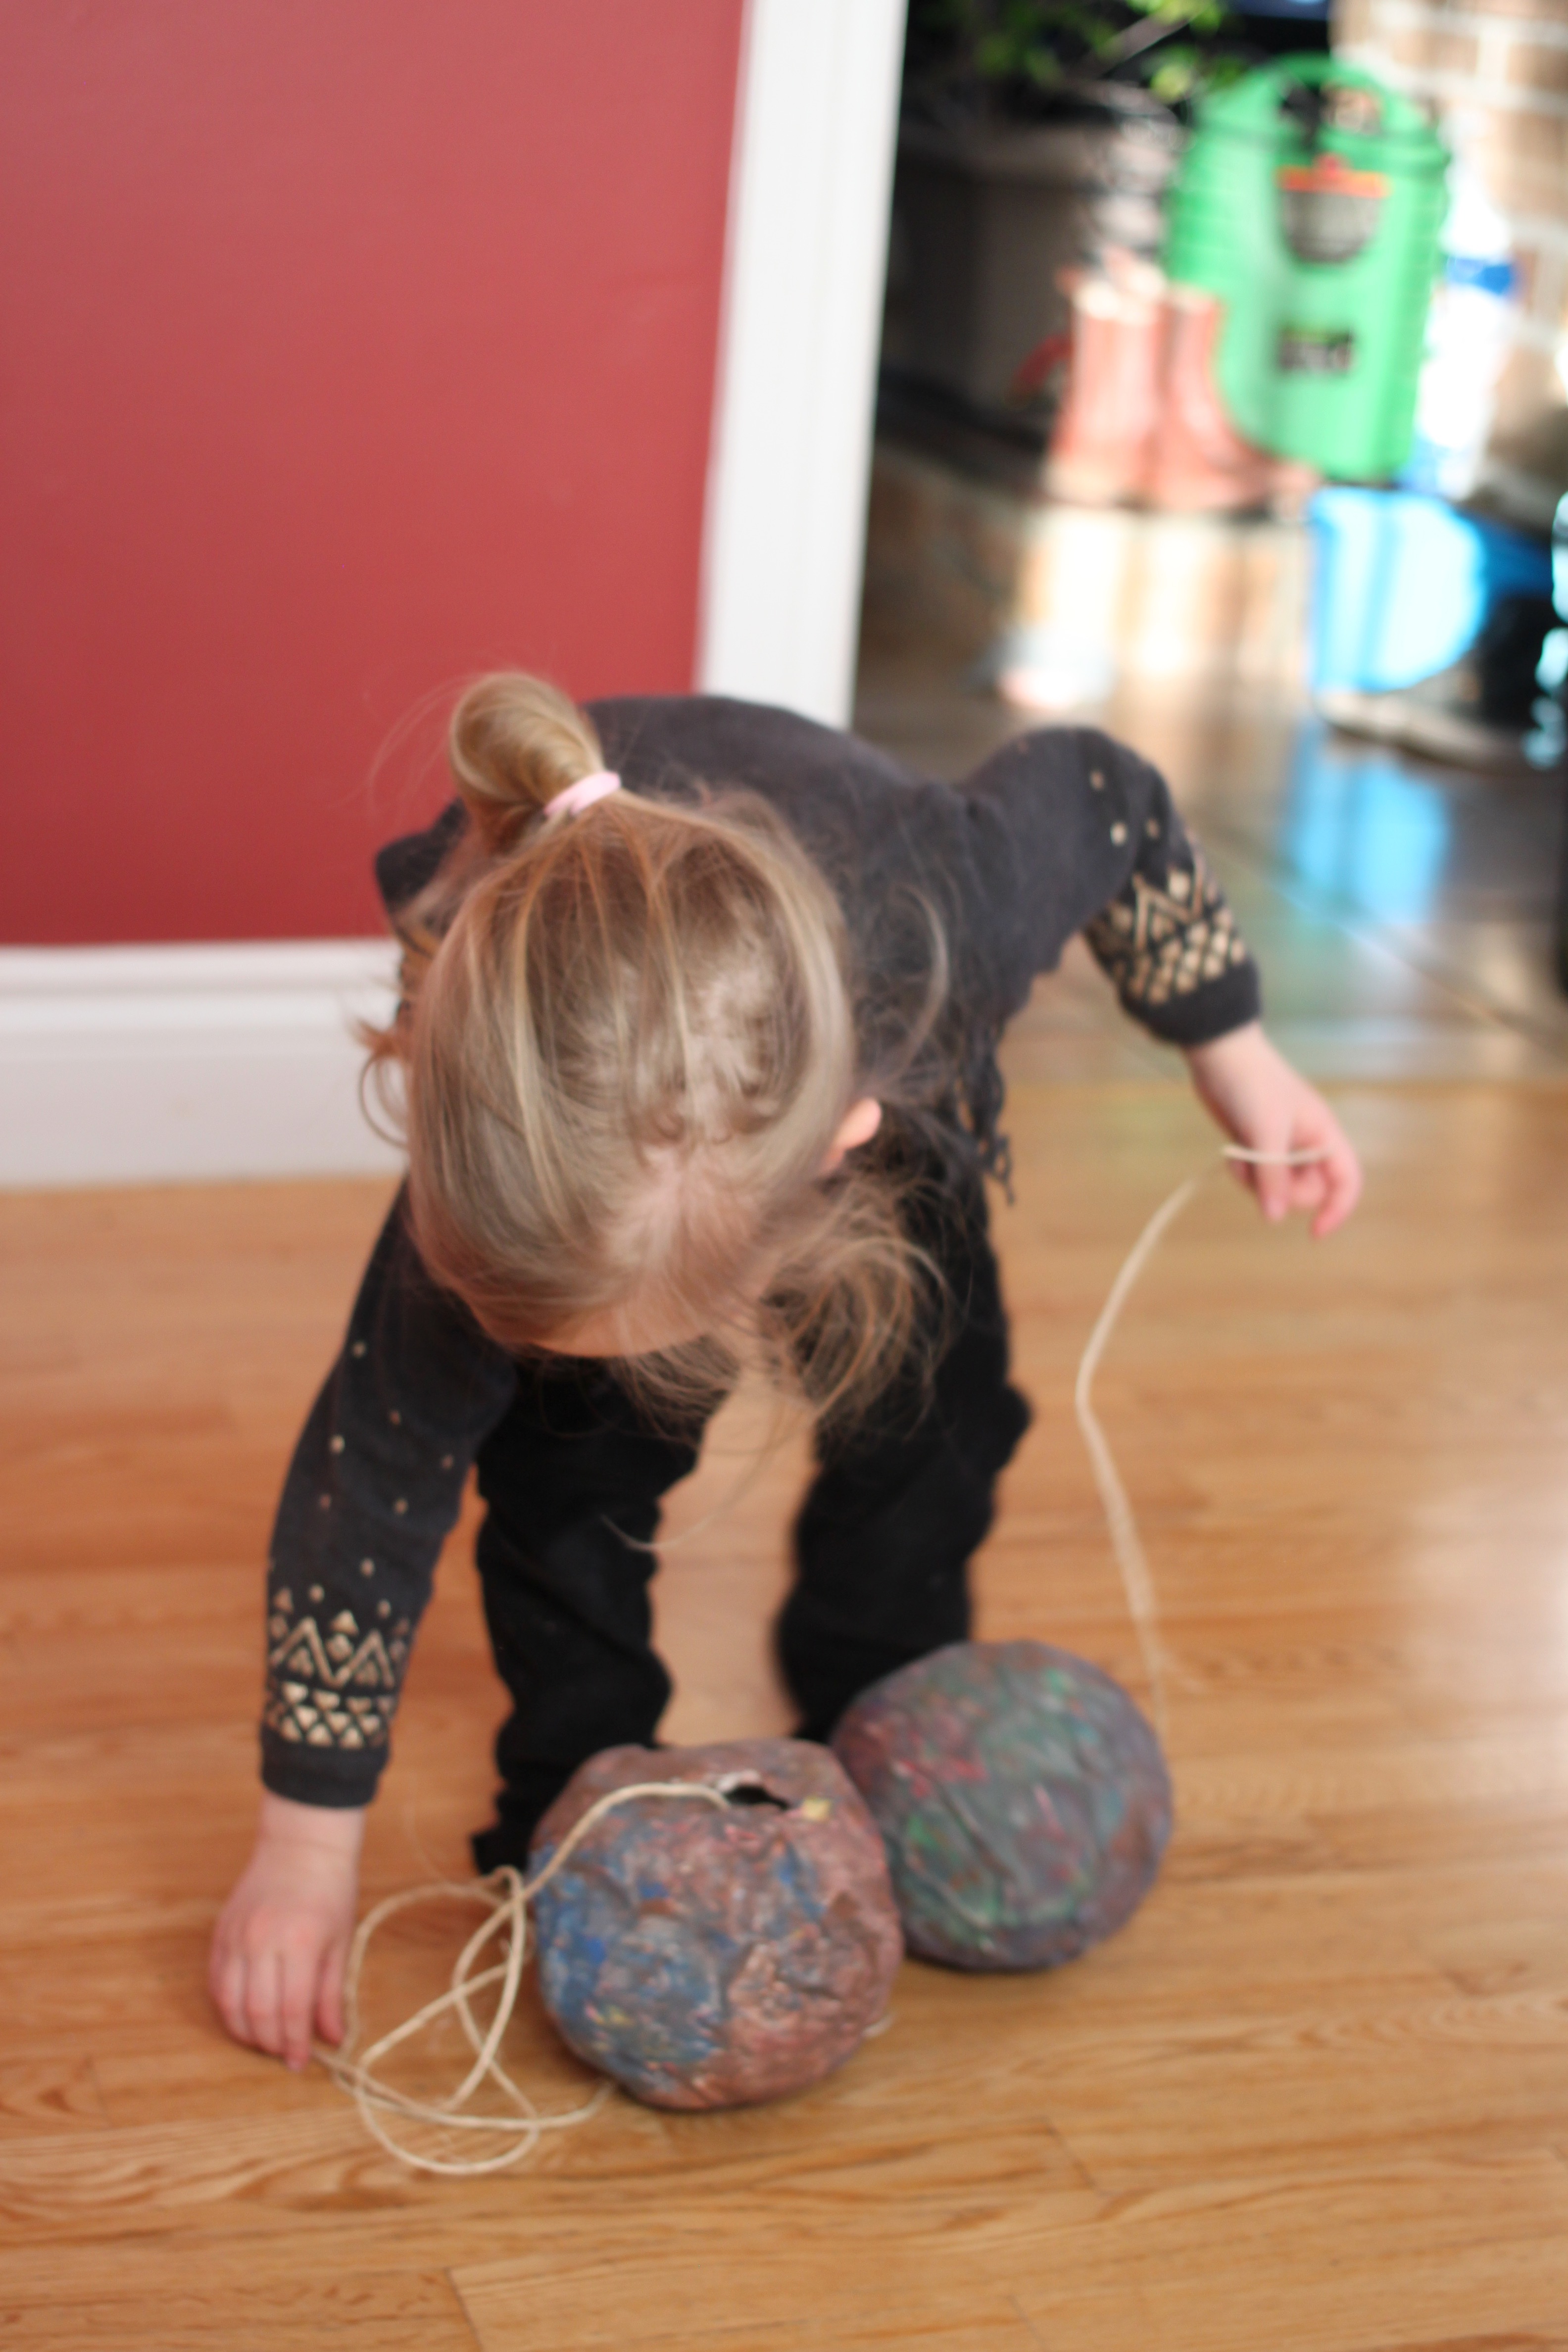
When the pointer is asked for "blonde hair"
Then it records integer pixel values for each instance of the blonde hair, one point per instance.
(629, 1041)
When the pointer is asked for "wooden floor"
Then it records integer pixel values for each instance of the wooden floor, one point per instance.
(1314, 2099)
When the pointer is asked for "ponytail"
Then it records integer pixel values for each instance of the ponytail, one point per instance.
(514, 743)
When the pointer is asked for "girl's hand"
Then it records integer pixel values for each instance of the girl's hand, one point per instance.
(282, 1938)
(1252, 1092)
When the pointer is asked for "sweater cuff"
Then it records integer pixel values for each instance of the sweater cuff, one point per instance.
(1213, 1011)
(319, 1776)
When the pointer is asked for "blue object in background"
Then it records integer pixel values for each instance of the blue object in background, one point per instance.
(1403, 583)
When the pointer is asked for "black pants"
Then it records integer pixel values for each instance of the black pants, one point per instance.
(883, 1540)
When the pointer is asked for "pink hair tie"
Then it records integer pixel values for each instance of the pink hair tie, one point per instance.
(582, 793)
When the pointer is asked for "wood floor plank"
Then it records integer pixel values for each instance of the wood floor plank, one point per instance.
(169, 2311)
(849, 2272)
(817, 2317)
(298, 2159)
(346, 2207)
(1296, 2092)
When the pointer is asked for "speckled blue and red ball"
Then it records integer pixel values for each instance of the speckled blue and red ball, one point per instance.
(707, 1956)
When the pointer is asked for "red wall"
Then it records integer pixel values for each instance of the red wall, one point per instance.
(354, 345)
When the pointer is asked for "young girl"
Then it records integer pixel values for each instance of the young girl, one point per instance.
(697, 1046)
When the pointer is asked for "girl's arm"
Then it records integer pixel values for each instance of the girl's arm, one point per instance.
(1072, 832)
(373, 1489)
(375, 1485)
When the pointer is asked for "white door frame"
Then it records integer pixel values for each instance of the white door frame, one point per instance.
(810, 191)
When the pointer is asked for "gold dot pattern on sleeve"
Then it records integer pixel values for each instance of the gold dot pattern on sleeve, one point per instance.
(1159, 943)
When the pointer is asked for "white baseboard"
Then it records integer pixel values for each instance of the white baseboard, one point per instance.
(142, 1065)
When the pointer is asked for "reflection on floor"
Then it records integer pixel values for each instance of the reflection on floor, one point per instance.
(1401, 912)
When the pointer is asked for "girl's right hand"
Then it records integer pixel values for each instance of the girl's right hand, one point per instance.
(282, 1938)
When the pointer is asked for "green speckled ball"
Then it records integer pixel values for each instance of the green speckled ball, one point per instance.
(1022, 1798)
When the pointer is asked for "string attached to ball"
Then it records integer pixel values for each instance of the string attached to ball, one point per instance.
(507, 1896)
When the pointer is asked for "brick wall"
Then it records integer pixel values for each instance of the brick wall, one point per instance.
(1496, 75)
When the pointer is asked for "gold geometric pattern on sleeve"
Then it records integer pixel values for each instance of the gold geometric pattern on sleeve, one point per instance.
(1159, 944)
(336, 1689)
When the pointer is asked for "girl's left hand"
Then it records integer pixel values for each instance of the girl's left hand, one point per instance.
(1251, 1091)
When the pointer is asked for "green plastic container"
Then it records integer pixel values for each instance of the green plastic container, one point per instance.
(1310, 200)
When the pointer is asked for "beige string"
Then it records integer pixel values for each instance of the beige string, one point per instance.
(507, 1895)
(1137, 1583)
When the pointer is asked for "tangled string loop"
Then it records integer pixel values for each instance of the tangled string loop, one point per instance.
(506, 1896)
